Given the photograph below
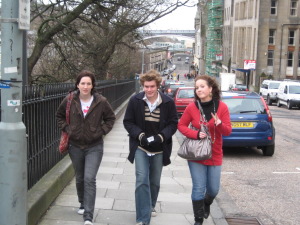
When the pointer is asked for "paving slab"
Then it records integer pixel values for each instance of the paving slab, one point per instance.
(115, 201)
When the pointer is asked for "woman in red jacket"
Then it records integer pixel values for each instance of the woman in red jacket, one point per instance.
(206, 174)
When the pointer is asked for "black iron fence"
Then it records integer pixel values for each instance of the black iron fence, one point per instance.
(39, 108)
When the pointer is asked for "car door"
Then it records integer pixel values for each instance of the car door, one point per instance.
(265, 90)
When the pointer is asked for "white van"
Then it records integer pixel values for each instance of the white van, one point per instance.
(289, 94)
(269, 90)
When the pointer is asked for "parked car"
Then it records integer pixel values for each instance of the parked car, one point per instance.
(171, 88)
(239, 87)
(186, 62)
(251, 121)
(289, 94)
(178, 58)
(182, 97)
(164, 83)
(166, 72)
(269, 90)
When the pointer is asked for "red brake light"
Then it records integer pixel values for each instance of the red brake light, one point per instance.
(238, 96)
(267, 109)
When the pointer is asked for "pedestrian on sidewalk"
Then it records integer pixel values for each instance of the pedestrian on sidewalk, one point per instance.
(91, 117)
(206, 174)
(151, 120)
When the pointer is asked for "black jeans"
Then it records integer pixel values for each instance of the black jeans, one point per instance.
(86, 163)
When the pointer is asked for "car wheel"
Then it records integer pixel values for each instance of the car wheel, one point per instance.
(278, 103)
(268, 150)
(289, 105)
(269, 101)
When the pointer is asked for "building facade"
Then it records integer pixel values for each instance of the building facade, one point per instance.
(267, 32)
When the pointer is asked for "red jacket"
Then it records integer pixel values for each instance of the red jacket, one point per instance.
(192, 115)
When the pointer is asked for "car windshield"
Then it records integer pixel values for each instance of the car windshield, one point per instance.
(175, 86)
(168, 82)
(240, 86)
(294, 89)
(274, 85)
(186, 93)
(245, 105)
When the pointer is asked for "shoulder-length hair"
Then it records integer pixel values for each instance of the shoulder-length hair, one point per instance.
(86, 73)
(211, 82)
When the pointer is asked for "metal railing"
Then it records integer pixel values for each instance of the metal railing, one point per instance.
(39, 108)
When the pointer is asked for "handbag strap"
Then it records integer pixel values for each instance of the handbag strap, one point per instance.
(70, 97)
(202, 116)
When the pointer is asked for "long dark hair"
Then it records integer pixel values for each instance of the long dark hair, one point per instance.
(86, 73)
(211, 82)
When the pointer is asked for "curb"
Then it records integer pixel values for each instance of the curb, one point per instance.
(48, 188)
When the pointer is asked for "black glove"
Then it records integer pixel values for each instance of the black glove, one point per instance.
(144, 141)
(156, 142)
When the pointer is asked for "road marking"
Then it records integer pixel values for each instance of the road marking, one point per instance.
(297, 168)
(285, 172)
(227, 172)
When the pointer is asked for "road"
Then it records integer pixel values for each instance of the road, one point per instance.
(181, 66)
(266, 188)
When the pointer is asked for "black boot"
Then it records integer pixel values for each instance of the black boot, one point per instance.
(207, 202)
(198, 208)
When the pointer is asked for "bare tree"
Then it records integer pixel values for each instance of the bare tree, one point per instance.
(76, 34)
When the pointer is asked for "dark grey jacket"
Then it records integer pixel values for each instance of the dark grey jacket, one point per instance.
(134, 123)
(86, 131)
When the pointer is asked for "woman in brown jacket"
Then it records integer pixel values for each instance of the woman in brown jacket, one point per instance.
(91, 117)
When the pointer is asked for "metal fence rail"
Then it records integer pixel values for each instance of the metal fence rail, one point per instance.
(39, 108)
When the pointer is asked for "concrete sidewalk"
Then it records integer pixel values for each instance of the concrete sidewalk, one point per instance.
(115, 203)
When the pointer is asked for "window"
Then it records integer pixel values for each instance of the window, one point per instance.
(270, 57)
(272, 37)
(273, 7)
(291, 37)
(290, 59)
(294, 89)
(293, 8)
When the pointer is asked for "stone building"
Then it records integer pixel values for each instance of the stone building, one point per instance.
(264, 31)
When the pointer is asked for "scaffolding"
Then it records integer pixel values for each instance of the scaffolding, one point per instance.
(214, 37)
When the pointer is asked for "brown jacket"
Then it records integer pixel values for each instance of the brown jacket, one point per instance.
(86, 132)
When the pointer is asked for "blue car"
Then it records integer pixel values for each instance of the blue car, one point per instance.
(251, 122)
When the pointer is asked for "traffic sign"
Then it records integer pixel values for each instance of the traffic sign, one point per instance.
(24, 14)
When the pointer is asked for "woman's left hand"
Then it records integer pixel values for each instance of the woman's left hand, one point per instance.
(216, 118)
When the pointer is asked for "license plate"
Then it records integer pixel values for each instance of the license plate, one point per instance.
(242, 124)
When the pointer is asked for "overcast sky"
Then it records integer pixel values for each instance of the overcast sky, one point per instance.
(181, 19)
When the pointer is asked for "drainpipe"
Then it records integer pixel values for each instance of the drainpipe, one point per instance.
(282, 25)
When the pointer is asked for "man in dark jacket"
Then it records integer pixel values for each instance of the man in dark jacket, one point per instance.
(151, 120)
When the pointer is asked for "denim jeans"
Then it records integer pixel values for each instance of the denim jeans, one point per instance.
(148, 173)
(206, 180)
(86, 163)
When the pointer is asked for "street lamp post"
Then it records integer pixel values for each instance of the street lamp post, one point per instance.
(13, 154)
(143, 61)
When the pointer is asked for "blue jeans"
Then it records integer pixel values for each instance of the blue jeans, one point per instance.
(148, 172)
(206, 180)
(86, 163)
